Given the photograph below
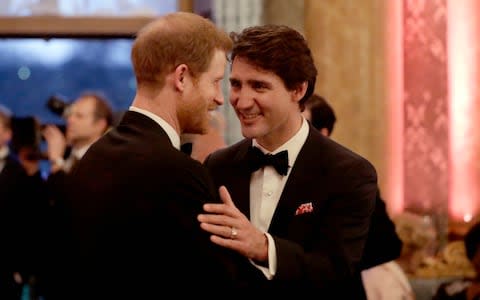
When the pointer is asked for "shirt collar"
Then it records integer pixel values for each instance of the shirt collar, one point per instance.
(79, 152)
(172, 134)
(293, 145)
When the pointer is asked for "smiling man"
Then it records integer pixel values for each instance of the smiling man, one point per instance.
(301, 213)
(134, 196)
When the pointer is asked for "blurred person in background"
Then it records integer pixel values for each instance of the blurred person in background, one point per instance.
(467, 288)
(20, 219)
(87, 119)
(320, 114)
(35, 208)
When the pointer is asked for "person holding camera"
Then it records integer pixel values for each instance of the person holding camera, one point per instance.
(87, 119)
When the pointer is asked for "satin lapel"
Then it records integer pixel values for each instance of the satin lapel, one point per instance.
(300, 184)
(240, 192)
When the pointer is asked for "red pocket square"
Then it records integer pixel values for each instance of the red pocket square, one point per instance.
(304, 208)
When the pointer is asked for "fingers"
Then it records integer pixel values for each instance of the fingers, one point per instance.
(215, 219)
(219, 209)
(220, 219)
(221, 231)
(50, 130)
(225, 208)
(225, 196)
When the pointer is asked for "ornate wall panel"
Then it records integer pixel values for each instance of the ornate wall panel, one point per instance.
(426, 109)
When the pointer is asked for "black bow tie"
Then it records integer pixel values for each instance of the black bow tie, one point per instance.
(257, 159)
(186, 148)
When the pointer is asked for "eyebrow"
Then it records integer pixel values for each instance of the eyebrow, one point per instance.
(252, 82)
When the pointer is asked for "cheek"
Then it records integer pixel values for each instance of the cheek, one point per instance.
(207, 93)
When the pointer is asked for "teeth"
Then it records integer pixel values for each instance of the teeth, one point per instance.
(250, 116)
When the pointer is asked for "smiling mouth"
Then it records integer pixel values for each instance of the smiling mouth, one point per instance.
(249, 116)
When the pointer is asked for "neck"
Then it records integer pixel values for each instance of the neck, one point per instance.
(283, 133)
(161, 104)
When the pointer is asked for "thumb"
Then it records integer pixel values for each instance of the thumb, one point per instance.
(225, 196)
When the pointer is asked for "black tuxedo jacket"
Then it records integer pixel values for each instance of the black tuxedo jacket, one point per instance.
(133, 205)
(317, 251)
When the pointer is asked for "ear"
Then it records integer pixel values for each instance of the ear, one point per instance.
(101, 124)
(180, 74)
(300, 91)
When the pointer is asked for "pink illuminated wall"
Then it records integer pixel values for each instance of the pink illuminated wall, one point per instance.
(425, 110)
(464, 82)
(433, 89)
(394, 92)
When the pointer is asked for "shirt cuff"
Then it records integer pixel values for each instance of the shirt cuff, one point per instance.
(269, 271)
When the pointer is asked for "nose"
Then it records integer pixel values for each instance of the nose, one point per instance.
(240, 99)
(219, 98)
(70, 119)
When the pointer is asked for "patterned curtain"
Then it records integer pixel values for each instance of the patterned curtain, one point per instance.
(426, 111)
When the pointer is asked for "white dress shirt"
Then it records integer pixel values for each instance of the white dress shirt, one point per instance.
(75, 156)
(266, 187)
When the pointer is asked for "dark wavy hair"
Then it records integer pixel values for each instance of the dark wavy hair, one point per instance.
(278, 49)
(321, 113)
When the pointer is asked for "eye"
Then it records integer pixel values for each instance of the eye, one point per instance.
(235, 84)
(258, 85)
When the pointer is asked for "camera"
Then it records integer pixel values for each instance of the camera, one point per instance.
(58, 105)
